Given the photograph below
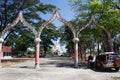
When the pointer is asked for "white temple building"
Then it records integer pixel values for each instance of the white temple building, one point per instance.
(57, 49)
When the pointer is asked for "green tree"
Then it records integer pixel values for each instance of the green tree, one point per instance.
(106, 14)
(20, 38)
(49, 34)
(66, 37)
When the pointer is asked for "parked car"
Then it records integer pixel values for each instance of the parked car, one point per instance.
(107, 60)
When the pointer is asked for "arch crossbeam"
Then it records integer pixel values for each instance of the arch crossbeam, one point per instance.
(26, 24)
(11, 26)
(57, 15)
(21, 19)
(91, 20)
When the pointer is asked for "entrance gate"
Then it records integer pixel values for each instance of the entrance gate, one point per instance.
(37, 35)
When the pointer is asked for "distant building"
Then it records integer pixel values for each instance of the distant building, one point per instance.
(57, 49)
(7, 52)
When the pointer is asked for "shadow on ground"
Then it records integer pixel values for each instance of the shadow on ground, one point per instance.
(104, 70)
(65, 64)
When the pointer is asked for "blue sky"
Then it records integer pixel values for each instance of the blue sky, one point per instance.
(65, 10)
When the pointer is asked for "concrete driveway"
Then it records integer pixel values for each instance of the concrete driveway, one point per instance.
(53, 69)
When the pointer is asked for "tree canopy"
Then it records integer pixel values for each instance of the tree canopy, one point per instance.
(107, 16)
(19, 37)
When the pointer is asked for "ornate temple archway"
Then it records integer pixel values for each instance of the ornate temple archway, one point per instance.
(58, 16)
(75, 39)
(21, 19)
(37, 35)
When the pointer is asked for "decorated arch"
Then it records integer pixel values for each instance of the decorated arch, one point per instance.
(58, 16)
(21, 19)
(37, 34)
(75, 39)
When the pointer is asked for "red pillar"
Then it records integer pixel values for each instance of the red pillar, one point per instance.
(76, 40)
(37, 52)
(1, 52)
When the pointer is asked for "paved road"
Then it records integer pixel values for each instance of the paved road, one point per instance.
(53, 69)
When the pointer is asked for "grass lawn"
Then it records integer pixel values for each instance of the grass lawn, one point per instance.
(8, 62)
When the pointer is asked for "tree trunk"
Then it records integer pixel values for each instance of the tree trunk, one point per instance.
(90, 49)
(84, 52)
(98, 49)
(109, 41)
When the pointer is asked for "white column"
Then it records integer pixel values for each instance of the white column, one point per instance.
(37, 52)
(1, 52)
(76, 40)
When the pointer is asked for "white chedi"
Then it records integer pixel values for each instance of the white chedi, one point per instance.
(57, 49)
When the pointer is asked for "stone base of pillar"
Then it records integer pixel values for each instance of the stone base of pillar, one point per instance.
(76, 66)
(37, 66)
